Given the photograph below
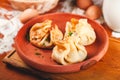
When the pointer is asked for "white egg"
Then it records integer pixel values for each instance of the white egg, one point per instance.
(84, 4)
(28, 14)
(93, 12)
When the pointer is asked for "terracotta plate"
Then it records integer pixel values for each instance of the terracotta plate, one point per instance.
(41, 59)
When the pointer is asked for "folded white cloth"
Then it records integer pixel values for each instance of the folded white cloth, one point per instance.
(9, 29)
(116, 34)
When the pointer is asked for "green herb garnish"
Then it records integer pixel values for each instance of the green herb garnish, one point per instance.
(70, 33)
(47, 39)
(44, 44)
(37, 53)
(27, 36)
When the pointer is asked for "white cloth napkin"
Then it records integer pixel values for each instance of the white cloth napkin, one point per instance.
(115, 34)
(9, 29)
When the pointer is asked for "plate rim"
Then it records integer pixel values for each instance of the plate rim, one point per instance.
(80, 64)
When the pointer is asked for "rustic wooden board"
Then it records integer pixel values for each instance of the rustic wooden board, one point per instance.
(106, 69)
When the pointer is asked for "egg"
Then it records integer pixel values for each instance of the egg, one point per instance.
(93, 12)
(28, 14)
(84, 4)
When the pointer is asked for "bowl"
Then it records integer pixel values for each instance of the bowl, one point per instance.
(43, 61)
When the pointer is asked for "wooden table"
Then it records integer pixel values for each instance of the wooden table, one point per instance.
(108, 68)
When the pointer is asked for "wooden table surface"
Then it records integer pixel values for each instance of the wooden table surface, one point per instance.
(108, 68)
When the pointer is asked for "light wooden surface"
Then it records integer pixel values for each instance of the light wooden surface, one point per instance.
(108, 68)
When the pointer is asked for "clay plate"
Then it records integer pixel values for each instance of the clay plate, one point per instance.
(40, 59)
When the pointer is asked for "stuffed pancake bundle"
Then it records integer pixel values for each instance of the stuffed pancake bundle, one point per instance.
(78, 33)
(67, 52)
(82, 30)
(44, 35)
(67, 49)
